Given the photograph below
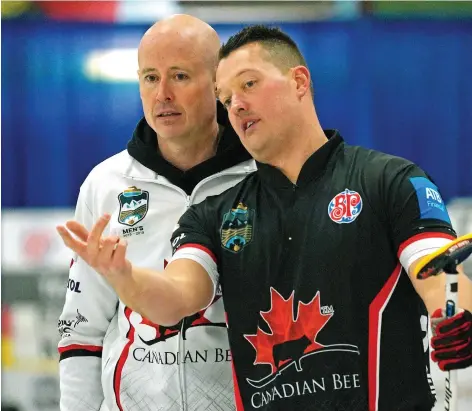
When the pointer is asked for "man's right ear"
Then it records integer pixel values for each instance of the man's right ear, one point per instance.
(302, 78)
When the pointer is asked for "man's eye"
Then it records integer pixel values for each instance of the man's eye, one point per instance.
(250, 83)
(181, 76)
(151, 78)
(227, 103)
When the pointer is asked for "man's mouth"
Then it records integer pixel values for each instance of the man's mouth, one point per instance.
(249, 124)
(168, 114)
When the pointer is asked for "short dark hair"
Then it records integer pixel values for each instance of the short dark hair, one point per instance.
(283, 51)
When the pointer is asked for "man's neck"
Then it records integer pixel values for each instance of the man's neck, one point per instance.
(293, 156)
(195, 151)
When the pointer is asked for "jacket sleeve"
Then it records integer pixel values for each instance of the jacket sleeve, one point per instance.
(89, 307)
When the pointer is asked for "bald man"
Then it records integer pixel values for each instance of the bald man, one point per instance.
(183, 150)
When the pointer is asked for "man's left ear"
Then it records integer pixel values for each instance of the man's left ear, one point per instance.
(302, 78)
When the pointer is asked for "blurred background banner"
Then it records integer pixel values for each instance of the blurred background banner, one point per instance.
(392, 76)
(71, 97)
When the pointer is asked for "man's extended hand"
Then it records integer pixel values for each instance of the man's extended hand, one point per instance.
(105, 255)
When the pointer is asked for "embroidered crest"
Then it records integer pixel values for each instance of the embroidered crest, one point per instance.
(133, 206)
(237, 227)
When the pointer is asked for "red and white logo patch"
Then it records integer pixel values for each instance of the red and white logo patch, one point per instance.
(345, 207)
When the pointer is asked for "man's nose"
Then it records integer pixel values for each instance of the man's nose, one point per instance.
(164, 92)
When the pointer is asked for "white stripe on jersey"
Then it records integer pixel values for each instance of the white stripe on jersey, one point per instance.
(419, 249)
(202, 257)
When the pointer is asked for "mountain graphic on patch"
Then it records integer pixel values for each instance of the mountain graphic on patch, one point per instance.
(133, 206)
(236, 228)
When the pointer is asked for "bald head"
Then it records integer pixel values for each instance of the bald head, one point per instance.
(191, 37)
(177, 60)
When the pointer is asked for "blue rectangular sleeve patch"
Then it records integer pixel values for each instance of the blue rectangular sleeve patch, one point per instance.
(429, 200)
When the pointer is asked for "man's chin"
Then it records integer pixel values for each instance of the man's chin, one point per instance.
(170, 132)
(259, 153)
(263, 153)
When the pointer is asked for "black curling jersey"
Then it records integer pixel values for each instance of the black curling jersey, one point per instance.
(321, 313)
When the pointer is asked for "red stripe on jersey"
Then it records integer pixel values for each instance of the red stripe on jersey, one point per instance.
(200, 247)
(93, 348)
(422, 236)
(376, 308)
(122, 360)
(237, 394)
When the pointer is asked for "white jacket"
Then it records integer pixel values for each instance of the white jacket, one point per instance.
(110, 357)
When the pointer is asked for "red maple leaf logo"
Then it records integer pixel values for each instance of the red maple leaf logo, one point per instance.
(286, 327)
(194, 320)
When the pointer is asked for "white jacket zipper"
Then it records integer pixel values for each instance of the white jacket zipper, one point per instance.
(188, 203)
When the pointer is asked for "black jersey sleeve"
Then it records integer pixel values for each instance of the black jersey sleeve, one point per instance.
(194, 238)
(413, 204)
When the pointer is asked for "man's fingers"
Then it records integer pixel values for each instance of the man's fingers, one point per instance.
(119, 256)
(458, 351)
(457, 364)
(106, 252)
(78, 229)
(460, 322)
(77, 246)
(93, 240)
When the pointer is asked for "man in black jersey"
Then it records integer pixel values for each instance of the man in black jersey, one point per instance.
(313, 253)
